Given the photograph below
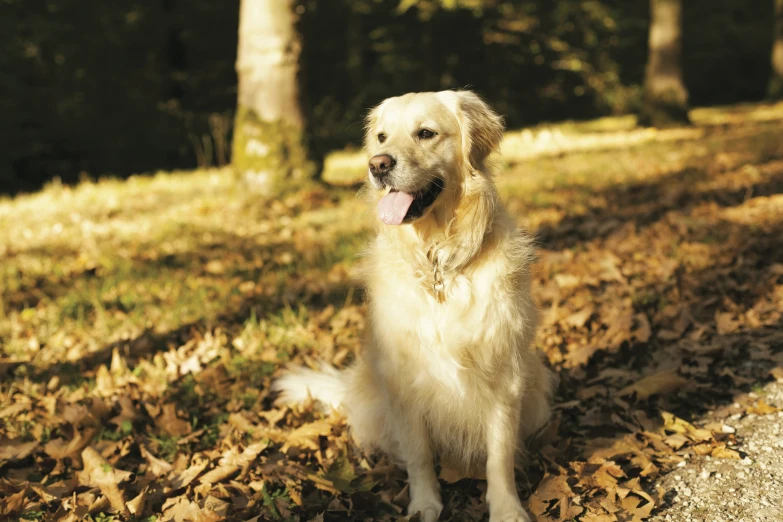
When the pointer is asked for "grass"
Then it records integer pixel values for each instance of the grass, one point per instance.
(106, 261)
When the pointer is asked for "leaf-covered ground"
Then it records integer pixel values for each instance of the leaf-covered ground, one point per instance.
(141, 323)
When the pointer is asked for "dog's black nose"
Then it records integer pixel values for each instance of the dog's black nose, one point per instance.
(381, 164)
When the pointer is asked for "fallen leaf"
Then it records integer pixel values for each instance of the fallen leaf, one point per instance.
(619, 318)
(723, 452)
(99, 473)
(218, 474)
(180, 480)
(60, 449)
(566, 281)
(610, 506)
(599, 517)
(664, 382)
(180, 509)
(553, 488)
(216, 505)
(307, 435)
(762, 408)
(294, 490)
(169, 423)
(726, 323)
(54, 491)
(15, 409)
(241, 423)
(232, 462)
(640, 508)
(155, 465)
(578, 319)
(701, 449)
(739, 380)
(15, 449)
(128, 412)
(642, 331)
(14, 502)
(677, 425)
(342, 475)
(676, 440)
(590, 392)
(86, 415)
(606, 476)
(136, 505)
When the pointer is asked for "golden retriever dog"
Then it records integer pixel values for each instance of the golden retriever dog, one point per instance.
(448, 370)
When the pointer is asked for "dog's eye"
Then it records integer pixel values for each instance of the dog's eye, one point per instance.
(381, 138)
(425, 134)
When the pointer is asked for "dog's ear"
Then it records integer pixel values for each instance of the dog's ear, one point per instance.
(371, 123)
(482, 128)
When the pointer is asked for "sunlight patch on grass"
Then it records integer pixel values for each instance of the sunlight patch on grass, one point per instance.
(345, 167)
(611, 133)
(739, 113)
(106, 261)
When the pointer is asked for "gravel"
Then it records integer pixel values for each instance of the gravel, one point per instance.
(720, 490)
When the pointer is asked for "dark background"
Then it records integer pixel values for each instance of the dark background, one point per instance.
(90, 87)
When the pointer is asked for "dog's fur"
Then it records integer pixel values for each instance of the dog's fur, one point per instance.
(448, 374)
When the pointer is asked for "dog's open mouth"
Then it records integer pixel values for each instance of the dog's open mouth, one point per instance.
(399, 207)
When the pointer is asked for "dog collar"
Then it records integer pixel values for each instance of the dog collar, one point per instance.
(438, 284)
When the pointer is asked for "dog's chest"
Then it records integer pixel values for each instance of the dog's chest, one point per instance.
(433, 339)
(443, 322)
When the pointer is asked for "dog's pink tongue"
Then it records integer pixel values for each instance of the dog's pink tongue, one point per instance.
(393, 207)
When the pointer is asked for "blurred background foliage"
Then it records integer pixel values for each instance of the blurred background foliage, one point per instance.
(100, 87)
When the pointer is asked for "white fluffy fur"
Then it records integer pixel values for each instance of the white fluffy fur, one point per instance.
(454, 378)
(299, 384)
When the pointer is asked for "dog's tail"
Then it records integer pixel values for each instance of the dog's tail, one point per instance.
(326, 385)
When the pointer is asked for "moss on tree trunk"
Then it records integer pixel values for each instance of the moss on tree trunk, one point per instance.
(664, 109)
(665, 100)
(270, 153)
(269, 148)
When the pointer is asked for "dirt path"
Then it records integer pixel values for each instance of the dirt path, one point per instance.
(751, 489)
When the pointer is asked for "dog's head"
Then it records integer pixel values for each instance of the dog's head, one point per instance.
(425, 147)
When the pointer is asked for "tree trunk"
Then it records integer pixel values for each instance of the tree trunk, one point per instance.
(776, 80)
(268, 130)
(665, 99)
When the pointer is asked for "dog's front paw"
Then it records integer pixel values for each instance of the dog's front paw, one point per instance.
(510, 511)
(428, 510)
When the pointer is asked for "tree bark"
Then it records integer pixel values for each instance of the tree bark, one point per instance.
(268, 128)
(665, 99)
(776, 80)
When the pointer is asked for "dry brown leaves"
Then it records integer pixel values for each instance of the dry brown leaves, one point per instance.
(672, 322)
(183, 441)
(662, 300)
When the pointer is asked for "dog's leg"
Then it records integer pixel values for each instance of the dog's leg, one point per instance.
(502, 439)
(416, 452)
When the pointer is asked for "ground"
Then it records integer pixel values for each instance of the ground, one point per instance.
(141, 322)
(720, 490)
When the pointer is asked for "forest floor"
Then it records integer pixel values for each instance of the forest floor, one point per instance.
(141, 322)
